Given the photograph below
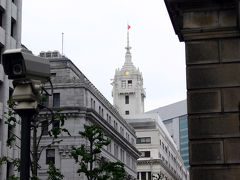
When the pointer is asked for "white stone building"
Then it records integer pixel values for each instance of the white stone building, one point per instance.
(84, 104)
(159, 152)
(175, 118)
(10, 37)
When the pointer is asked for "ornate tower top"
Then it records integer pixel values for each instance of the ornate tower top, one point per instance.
(128, 65)
(128, 92)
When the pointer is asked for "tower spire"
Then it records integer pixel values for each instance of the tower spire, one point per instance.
(128, 47)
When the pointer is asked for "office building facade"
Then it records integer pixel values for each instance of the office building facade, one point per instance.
(174, 116)
(159, 154)
(10, 38)
(83, 104)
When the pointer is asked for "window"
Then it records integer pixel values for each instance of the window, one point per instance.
(116, 125)
(129, 83)
(116, 150)
(133, 164)
(132, 141)
(13, 27)
(128, 159)
(122, 155)
(1, 49)
(126, 99)
(109, 146)
(10, 133)
(45, 127)
(56, 100)
(122, 131)
(9, 169)
(53, 74)
(48, 54)
(56, 124)
(42, 54)
(143, 175)
(149, 175)
(127, 136)
(50, 156)
(1, 18)
(145, 153)
(123, 84)
(91, 103)
(45, 101)
(127, 112)
(143, 140)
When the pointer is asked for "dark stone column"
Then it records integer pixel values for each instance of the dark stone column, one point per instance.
(210, 30)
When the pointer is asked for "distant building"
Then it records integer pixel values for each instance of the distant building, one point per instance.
(175, 118)
(158, 151)
(83, 104)
(10, 38)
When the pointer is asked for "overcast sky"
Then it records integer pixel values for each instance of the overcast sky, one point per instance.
(95, 37)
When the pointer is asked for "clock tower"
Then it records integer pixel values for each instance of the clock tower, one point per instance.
(128, 92)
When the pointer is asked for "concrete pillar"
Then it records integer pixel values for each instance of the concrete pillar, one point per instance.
(211, 32)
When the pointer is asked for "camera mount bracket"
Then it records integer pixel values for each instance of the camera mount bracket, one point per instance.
(26, 94)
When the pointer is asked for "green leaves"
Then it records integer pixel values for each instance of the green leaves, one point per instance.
(57, 125)
(54, 173)
(87, 156)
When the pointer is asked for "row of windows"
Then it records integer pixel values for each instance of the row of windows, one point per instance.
(56, 100)
(109, 120)
(50, 156)
(13, 23)
(122, 154)
(164, 147)
(144, 140)
(144, 175)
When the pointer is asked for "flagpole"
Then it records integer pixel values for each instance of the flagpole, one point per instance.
(62, 42)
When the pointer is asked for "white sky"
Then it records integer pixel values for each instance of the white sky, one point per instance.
(95, 36)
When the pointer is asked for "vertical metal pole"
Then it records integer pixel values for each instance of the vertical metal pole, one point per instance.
(26, 116)
(62, 43)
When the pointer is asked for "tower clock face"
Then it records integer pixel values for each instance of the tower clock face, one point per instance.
(126, 73)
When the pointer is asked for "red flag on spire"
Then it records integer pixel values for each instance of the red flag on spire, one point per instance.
(129, 27)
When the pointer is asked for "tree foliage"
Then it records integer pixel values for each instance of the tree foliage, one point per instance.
(54, 173)
(88, 156)
(54, 118)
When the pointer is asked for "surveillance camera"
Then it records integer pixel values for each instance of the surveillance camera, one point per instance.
(19, 65)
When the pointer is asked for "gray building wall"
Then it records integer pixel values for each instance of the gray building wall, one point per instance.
(10, 37)
(84, 104)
